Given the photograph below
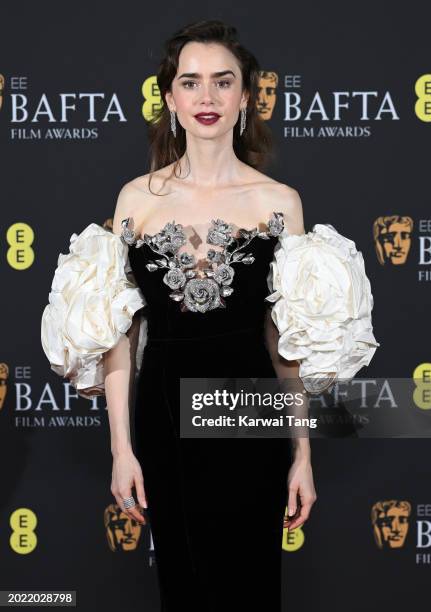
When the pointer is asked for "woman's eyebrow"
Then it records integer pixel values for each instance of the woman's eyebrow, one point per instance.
(196, 75)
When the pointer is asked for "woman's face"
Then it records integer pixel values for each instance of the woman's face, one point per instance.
(208, 80)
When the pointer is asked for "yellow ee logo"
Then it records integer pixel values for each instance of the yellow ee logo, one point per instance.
(151, 95)
(422, 380)
(20, 254)
(23, 539)
(423, 103)
(292, 540)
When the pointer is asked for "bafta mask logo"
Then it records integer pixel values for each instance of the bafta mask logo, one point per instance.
(392, 239)
(390, 520)
(268, 82)
(4, 375)
(122, 532)
(1, 90)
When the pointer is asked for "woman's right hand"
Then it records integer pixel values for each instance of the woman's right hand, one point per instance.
(126, 473)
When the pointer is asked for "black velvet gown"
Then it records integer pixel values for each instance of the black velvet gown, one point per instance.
(215, 505)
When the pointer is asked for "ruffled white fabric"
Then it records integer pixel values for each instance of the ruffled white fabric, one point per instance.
(91, 304)
(322, 305)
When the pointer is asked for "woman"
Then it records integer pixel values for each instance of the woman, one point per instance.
(215, 505)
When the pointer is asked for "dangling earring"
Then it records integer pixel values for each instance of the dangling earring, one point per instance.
(243, 121)
(173, 123)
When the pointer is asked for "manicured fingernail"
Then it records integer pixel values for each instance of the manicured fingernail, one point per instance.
(291, 511)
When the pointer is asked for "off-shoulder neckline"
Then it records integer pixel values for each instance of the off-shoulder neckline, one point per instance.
(275, 225)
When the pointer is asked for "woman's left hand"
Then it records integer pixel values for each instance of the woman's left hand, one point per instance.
(300, 483)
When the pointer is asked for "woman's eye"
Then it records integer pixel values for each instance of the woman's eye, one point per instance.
(224, 84)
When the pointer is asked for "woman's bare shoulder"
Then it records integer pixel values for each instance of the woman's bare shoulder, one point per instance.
(281, 197)
(138, 197)
(159, 180)
(271, 195)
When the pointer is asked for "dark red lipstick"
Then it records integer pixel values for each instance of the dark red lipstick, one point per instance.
(207, 118)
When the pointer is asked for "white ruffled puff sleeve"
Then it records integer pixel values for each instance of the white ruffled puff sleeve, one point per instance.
(91, 304)
(321, 304)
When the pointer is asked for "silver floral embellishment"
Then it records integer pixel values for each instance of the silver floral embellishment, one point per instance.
(169, 239)
(175, 278)
(220, 234)
(276, 224)
(214, 256)
(186, 260)
(128, 234)
(223, 274)
(201, 294)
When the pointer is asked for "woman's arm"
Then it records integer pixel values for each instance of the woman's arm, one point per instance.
(289, 202)
(119, 362)
(119, 368)
(300, 477)
(288, 371)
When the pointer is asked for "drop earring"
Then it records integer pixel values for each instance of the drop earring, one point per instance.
(173, 123)
(243, 121)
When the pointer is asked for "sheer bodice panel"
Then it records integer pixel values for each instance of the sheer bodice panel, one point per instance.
(201, 241)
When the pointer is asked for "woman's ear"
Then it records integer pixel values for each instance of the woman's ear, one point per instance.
(169, 101)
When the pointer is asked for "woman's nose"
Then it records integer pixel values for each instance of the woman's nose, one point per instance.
(206, 92)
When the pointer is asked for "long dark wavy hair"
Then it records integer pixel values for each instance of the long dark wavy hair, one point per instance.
(255, 146)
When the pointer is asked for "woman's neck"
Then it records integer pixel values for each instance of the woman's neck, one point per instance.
(210, 163)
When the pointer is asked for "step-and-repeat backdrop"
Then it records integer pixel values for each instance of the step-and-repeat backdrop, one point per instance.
(346, 90)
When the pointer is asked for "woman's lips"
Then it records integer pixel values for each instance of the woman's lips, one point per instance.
(207, 119)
